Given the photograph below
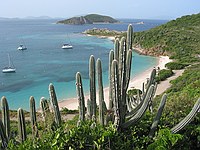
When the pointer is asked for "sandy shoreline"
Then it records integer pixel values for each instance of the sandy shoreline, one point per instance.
(136, 82)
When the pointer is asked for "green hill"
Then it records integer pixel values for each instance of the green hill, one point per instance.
(89, 19)
(180, 39)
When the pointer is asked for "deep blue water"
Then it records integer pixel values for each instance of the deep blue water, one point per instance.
(45, 62)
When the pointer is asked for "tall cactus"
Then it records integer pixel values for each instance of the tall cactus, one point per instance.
(188, 118)
(92, 86)
(5, 116)
(158, 115)
(101, 94)
(111, 58)
(21, 125)
(80, 95)
(55, 104)
(33, 117)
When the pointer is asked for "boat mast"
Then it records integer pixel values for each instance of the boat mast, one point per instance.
(9, 65)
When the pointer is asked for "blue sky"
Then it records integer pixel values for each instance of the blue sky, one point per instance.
(140, 9)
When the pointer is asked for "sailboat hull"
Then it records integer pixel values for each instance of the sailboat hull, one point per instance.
(8, 70)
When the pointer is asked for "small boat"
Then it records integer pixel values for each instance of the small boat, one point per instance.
(9, 69)
(22, 47)
(67, 46)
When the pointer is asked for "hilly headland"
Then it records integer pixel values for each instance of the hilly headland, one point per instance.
(89, 19)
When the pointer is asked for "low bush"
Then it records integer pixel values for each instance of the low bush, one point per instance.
(175, 65)
(164, 74)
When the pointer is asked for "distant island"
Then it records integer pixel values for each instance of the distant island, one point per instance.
(89, 19)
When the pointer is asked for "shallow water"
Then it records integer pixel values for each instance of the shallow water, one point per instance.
(45, 62)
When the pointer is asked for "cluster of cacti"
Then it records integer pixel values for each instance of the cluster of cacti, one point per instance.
(124, 111)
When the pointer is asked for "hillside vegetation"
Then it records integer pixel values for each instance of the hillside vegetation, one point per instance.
(89, 19)
(178, 38)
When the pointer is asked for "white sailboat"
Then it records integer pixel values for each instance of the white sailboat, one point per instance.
(22, 47)
(67, 45)
(9, 69)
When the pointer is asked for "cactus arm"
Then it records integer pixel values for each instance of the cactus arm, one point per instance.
(92, 86)
(89, 111)
(188, 118)
(141, 111)
(116, 49)
(101, 94)
(116, 97)
(55, 104)
(3, 137)
(111, 58)
(5, 116)
(158, 116)
(129, 36)
(80, 95)
(21, 125)
(33, 116)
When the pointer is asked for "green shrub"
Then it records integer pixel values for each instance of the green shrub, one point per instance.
(175, 65)
(164, 74)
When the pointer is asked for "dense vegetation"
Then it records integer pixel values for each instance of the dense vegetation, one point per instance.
(178, 38)
(89, 19)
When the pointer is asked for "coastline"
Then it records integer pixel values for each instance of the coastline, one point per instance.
(136, 82)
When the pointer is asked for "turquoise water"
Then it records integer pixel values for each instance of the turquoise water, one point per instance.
(45, 62)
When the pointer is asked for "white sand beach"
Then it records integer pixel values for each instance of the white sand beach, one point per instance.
(136, 82)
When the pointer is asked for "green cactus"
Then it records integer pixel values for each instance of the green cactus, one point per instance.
(81, 100)
(21, 125)
(89, 111)
(115, 90)
(101, 94)
(129, 36)
(111, 58)
(54, 103)
(141, 111)
(158, 116)
(5, 116)
(92, 86)
(188, 118)
(116, 49)
(4, 139)
(45, 108)
(33, 117)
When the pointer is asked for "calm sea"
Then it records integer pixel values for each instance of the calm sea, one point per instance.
(45, 62)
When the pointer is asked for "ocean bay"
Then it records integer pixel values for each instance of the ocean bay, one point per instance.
(45, 62)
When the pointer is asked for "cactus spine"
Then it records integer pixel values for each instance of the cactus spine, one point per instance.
(21, 125)
(80, 95)
(5, 116)
(55, 104)
(101, 94)
(33, 116)
(92, 86)
(158, 116)
(188, 118)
